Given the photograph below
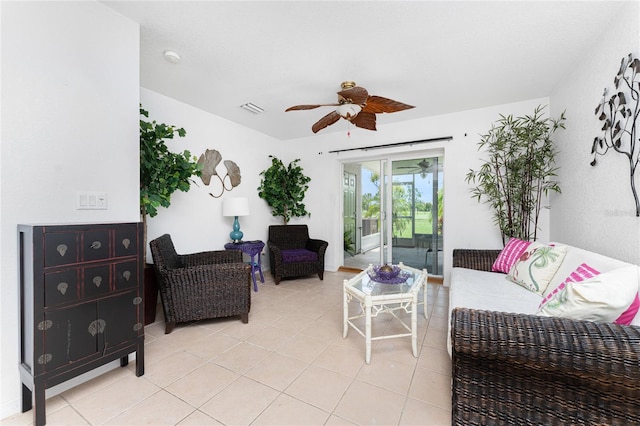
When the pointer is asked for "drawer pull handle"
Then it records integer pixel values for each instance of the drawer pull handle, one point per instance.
(44, 359)
(61, 249)
(97, 326)
(62, 287)
(126, 275)
(45, 325)
(126, 243)
(137, 300)
(96, 245)
(97, 281)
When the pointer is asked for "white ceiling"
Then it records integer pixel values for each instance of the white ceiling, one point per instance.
(440, 56)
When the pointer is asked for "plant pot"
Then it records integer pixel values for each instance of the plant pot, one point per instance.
(150, 294)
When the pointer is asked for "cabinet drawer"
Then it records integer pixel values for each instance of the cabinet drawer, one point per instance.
(126, 241)
(126, 274)
(61, 287)
(96, 280)
(95, 245)
(60, 248)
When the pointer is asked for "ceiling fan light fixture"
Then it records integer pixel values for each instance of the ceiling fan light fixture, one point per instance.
(251, 107)
(348, 111)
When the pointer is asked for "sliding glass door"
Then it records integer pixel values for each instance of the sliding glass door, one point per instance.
(418, 191)
(398, 213)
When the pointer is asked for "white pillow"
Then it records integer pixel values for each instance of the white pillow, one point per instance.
(601, 298)
(536, 266)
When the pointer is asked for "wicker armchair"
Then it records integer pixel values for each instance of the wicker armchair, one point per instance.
(526, 369)
(293, 254)
(202, 285)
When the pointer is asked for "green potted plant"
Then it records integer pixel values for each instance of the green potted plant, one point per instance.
(283, 188)
(519, 171)
(162, 172)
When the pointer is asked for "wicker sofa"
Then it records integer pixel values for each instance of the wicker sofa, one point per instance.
(510, 366)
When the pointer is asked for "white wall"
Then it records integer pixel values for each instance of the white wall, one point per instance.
(69, 123)
(461, 154)
(596, 210)
(194, 219)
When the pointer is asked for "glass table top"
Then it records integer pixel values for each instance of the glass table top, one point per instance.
(365, 284)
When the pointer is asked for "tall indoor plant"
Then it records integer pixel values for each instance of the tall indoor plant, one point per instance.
(519, 171)
(283, 188)
(162, 172)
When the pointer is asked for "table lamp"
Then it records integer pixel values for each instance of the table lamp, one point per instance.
(235, 207)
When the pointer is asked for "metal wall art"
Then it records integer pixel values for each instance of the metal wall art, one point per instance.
(619, 114)
(208, 163)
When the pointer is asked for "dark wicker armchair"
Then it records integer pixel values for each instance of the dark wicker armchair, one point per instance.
(526, 369)
(202, 285)
(293, 254)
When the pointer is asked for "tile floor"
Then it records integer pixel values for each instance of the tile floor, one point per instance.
(288, 366)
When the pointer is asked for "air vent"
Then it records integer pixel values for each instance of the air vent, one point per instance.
(251, 107)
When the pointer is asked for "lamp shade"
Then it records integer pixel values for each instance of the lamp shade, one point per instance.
(235, 206)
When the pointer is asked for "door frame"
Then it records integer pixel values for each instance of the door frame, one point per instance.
(386, 160)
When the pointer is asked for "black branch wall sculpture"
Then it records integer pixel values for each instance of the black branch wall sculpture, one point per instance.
(619, 113)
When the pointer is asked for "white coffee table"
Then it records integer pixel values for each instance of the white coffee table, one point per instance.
(378, 297)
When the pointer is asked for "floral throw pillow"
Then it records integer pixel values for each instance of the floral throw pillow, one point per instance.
(509, 255)
(605, 297)
(536, 266)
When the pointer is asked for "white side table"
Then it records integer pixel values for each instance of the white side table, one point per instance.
(378, 297)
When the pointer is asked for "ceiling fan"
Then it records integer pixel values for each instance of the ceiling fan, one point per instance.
(423, 166)
(356, 105)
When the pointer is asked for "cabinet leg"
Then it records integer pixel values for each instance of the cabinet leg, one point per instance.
(39, 411)
(139, 359)
(124, 361)
(26, 399)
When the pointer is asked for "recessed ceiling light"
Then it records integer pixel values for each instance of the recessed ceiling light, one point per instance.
(172, 56)
(251, 107)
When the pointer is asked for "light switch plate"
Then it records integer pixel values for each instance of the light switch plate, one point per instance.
(91, 200)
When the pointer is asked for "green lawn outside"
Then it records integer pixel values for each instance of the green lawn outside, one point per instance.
(423, 225)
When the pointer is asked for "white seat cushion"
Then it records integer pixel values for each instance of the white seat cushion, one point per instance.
(488, 291)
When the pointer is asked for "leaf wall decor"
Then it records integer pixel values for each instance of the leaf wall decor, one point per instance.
(209, 162)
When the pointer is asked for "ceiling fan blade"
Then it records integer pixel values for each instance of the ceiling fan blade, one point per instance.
(365, 120)
(355, 95)
(378, 104)
(325, 121)
(303, 107)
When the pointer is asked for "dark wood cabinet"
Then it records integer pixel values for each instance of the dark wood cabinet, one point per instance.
(81, 303)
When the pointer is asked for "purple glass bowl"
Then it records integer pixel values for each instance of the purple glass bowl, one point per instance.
(386, 274)
(395, 276)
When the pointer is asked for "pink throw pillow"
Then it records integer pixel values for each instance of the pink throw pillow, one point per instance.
(627, 316)
(582, 272)
(509, 255)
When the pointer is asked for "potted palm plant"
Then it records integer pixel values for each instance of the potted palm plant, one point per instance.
(520, 170)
